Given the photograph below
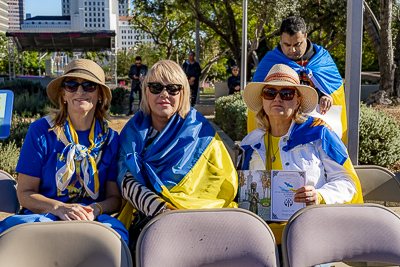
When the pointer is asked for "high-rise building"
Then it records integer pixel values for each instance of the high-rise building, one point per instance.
(3, 16)
(129, 38)
(123, 8)
(15, 14)
(66, 7)
(83, 15)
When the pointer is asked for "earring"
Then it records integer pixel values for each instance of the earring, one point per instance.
(100, 101)
(65, 102)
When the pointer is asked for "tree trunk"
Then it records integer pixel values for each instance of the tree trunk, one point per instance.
(386, 66)
(397, 62)
(372, 28)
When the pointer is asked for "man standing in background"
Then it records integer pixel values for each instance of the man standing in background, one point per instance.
(234, 81)
(193, 71)
(136, 73)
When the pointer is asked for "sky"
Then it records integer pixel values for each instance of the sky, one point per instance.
(43, 7)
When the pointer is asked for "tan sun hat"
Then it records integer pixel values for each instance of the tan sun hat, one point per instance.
(280, 75)
(80, 68)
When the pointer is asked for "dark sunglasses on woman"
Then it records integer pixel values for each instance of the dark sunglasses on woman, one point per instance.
(284, 93)
(157, 88)
(71, 86)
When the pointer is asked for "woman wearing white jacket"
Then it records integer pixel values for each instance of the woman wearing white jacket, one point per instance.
(289, 140)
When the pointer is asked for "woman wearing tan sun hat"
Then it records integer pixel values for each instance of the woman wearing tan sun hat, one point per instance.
(287, 139)
(68, 162)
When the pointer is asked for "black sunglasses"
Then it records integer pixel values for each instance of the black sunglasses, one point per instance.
(71, 86)
(157, 88)
(284, 93)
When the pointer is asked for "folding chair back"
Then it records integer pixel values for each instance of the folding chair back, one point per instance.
(347, 232)
(378, 183)
(63, 244)
(8, 193)
(215, 237)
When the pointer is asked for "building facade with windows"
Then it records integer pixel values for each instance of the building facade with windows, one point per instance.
(15, 14)
(47, 23)
(78, 15)
(129, 38)
(123, 8)
(3, 16)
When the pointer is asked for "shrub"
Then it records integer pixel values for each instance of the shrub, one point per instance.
(9, 154)
(30, 98)
(231, 115)
(30, 105)
(379, 138)
(119, 96)
(19, 128)
(21, 86)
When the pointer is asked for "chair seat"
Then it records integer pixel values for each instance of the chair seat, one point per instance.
(63, 244)
(215, 237)
(8, 193)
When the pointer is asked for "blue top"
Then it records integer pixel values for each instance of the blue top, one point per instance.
(39, 154)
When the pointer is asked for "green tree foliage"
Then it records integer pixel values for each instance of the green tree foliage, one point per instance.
(3, 54)
(98, 57)
(167, 25)
(125, 59)
(151, 53)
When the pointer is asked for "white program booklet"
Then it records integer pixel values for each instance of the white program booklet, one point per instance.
(283, 187)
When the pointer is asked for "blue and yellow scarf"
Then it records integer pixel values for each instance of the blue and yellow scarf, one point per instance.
(187, 164)
(74, 151)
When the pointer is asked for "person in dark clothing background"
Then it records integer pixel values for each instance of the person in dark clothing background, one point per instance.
(136, 73)
(234, 81)
(193, 70)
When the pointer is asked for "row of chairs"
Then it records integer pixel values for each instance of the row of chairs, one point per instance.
(222, 237)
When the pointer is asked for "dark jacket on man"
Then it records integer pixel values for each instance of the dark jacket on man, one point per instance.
(138, 71)
(233, 81)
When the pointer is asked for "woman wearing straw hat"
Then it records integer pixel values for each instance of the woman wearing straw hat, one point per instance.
(287, 139)
(68, 162)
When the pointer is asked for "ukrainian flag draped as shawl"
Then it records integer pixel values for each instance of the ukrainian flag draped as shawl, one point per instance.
(314, 129)
(186, 164)
(321, 70)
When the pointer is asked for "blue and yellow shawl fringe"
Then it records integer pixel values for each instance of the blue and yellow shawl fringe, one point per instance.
(186, 164)
(321, 70)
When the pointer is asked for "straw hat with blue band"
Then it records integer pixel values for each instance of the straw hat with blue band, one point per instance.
(283, 76)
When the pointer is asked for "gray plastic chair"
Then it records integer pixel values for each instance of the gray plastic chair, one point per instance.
(63, 244)
(347, 232)
(8, 193)
(378, 183)
(210, 237)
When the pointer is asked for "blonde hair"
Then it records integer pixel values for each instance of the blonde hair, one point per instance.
(60, 115)
(167, 70)
(263, 121)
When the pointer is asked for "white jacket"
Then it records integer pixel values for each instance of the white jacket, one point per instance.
(333, 181)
